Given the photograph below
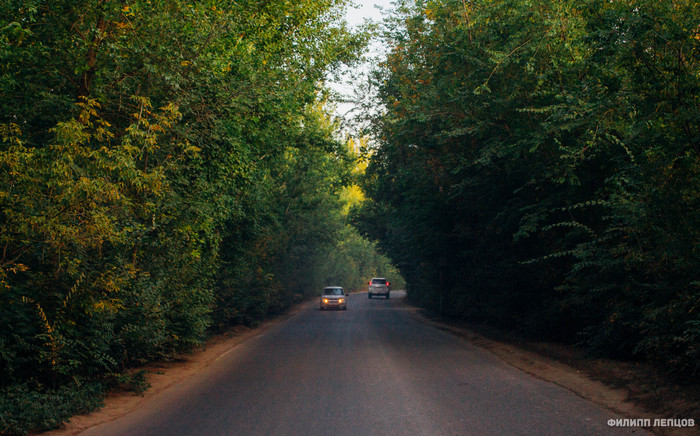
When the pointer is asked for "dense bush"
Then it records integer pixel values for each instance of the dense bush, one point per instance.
(165, 169)
(25, 408)
(539, 167)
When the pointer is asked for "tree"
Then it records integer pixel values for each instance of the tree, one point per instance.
(141, 144)
(538, 167)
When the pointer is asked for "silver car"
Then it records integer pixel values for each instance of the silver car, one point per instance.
(378, 286)
(334, 296)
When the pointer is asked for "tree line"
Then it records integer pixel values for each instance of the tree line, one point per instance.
(537, 167)
(167, 170)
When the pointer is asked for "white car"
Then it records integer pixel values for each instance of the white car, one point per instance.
(334, 296)
(378, 286)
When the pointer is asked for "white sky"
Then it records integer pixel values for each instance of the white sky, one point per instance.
(355, 16)
(366, 9)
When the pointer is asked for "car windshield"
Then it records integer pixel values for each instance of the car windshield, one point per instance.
(333, 291)
(379, 281)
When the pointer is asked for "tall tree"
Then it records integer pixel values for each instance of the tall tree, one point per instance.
(538, 167)
(139, 141)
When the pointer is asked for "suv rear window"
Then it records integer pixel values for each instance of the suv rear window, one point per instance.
(379, 281)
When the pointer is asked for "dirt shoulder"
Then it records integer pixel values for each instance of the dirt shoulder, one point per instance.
(631, 389)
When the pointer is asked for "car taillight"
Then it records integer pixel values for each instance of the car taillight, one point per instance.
(387, 283)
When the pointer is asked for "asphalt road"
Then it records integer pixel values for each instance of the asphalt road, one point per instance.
(370, 370)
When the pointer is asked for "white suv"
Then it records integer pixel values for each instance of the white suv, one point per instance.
(378, 285)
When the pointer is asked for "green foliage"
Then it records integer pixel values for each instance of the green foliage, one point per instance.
(165, 168)
(24, 408)
(538, 167)
(354, 260)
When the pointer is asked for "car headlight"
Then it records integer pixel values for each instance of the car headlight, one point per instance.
(341, 301)
(325, 300)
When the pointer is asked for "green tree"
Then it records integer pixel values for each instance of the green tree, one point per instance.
(144, 149)
(537, 167)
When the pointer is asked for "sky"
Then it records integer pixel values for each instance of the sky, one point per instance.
(366, 9)
(355, 16)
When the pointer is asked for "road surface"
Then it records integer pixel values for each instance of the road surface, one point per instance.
(370, 370)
